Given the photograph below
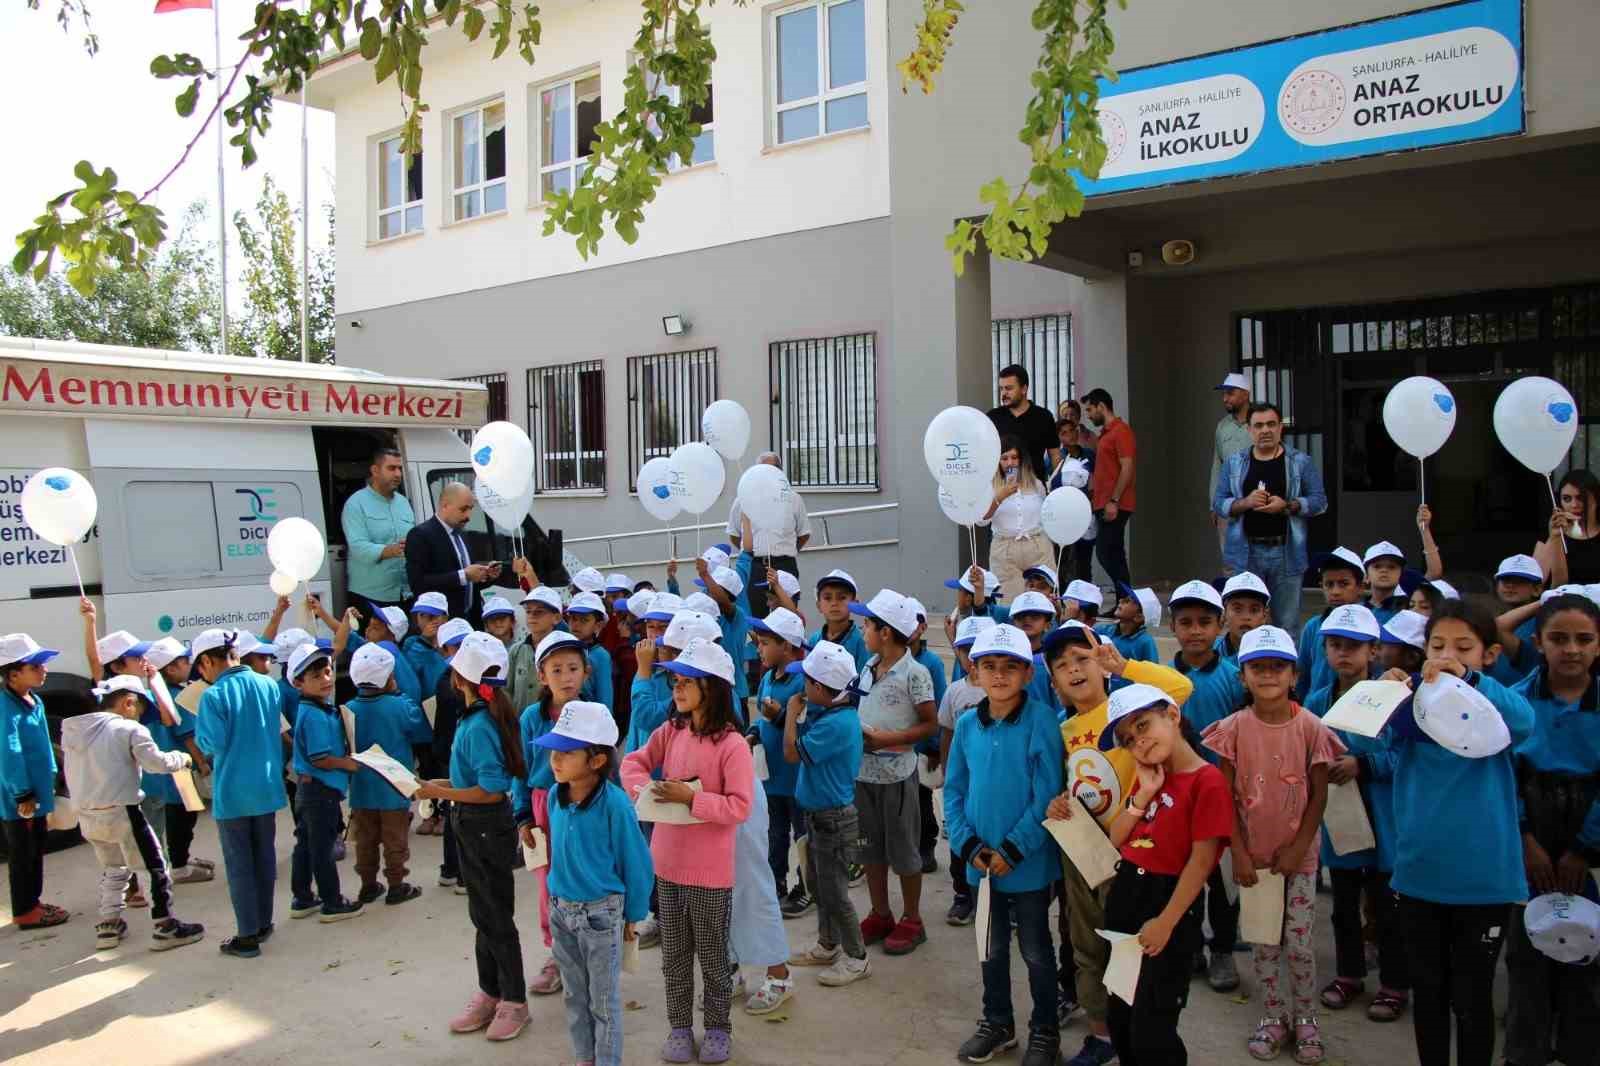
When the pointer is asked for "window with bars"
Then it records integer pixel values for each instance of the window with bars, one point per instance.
(496, 384)
(825, 410)
(666, 395)
(1041, 344)
(566, 419)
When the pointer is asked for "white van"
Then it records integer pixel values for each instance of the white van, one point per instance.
(194, 458)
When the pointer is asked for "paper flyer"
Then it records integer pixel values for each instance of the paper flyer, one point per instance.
(1086, 845)
(379, 762)
(538, 856)
(430, 708)
(650, 809)
(1127, 959)
(1345, 820)
(1366, 708)
(184, 779)
(189, 698)
(1261, 910)
(980, 921)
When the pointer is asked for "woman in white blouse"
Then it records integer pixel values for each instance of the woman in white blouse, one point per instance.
(1019, 541)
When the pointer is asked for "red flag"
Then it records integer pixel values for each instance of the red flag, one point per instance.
(164, 6)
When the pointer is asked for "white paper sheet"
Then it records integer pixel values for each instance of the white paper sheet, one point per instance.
(799, 851)
(933, 778)
(650, 809)
(1345, 819)
(758, 759)
(980, 921)
(283, 724)
(1230, 886)
(430, 708)
(349, 717)
(158, 689)
(538, 856)
(1086, 845)
(1127, 959)
(184, 780)
(189, 698)
(379, 762)
(1261, 910)
(1366, 708)
(630, 955)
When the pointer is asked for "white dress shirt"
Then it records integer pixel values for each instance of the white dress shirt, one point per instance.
(781, 542)
(1017, 516)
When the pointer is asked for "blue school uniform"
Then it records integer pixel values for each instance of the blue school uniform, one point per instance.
(598, 850)
(1218, 692)
(159, 786)
(779, 686)
(319, 733)
(532, 725)
(1457, 839)
(1136, 645)
(1313, 669)
(27, 761)
(829, 745)
(651, 702)
(850, 640)
(1229, 653)
(1557, 767)
(597, 686)
(735, 626)
(1383, 610)
(395, 724)
(1040, 688)
(238, 730)
(1376, 757)
(1002, 775)
(1000, 613)
(1510, 670)
(476, 757)
(428, 662)
(288, 701)
(405, 675)
(929, 745)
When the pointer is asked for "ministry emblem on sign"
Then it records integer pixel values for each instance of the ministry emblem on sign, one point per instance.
(1115, 133)
(1311, 102)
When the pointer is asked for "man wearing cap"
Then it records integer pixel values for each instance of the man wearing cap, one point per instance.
(779, 549)
(376, 520)
(437, 558)
(1231, 437)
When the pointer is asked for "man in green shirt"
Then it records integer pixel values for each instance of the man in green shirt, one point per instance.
(376, 520)
(1232, 436)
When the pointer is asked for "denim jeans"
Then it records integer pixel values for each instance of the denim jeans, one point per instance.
(1030, 913)
(833, 842)
(250, 858)
(1268, 562)
(1111, 548)
(586, 939)
(785, 821)
(316, 827)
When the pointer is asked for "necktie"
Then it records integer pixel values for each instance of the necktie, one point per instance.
(461, 554)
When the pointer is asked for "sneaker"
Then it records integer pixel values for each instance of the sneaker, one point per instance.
(175, 934)
(548, 983)
(448, 880)
(845, 971)
(510, 1019)
(191, 875)
(304, 908)
(796, 903)
(240, 947)
(460, 889)
(679, 1046)
(930, 862)
(1067, 1008)
(987, 1042)
(204, 864)
(1044, 1048)
(370, 893)
(478, 1013)
(960, 912)
(905, 938)
(1223, 973)
(815, 955)
(401, 893)
(856, 873)
(773, 993)
(875, 927)
(338, 851)
(265, 934)
(338, 912)
(717, 1046)
(136, 898)
(649, 932)
(43, 916)
(109, 933)
(1095, 1052)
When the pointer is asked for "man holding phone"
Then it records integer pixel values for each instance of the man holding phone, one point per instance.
(438, 560)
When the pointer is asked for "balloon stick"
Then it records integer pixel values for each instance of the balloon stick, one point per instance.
(1422, 479)
(305, 610)
(1556, 506)
(76, 572)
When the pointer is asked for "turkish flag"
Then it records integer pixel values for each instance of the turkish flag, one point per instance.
(164, 6)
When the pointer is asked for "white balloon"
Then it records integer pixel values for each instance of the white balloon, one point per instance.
(1419, 414)
(726, 427)
(962, 449)
(1065, 515)
(696, 476)
(1536, 419)
(282, 584)
(295, 547)
(506, 511)
(59, 505)
(765, 497)
(502, 456)
(964, 511)
(655, 489)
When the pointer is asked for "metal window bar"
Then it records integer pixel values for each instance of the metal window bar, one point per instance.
(666, 395)
(496, 384)
(566, 421)
(824, 415)
(1043, 346)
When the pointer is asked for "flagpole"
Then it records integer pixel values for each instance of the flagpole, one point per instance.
(222, 202)
(305, 228)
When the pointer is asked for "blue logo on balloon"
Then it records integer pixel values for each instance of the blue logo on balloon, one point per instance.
(483, 455)
(59, 483)
(660, 492)
(1444, 401)
(1560, 411)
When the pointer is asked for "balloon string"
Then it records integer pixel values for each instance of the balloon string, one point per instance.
(1555, 506)
(73, 555)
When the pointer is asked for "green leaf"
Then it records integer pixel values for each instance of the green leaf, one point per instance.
(386, 60)
(472, 25)
(186, 99)
(371, 39)
(163, 67)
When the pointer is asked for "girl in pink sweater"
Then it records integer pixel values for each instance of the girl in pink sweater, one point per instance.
(699, 743)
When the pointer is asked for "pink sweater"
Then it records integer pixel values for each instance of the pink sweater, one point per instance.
(701, 854)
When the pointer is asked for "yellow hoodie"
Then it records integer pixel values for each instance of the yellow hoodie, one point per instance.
(1102, 780)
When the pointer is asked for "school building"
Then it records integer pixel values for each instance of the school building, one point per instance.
(1329, 197)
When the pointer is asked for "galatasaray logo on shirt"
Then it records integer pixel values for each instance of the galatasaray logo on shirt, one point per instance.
(1093, 780)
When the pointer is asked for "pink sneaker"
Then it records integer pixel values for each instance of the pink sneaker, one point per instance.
(509, 1021)
(479, 1012)
(548, 983)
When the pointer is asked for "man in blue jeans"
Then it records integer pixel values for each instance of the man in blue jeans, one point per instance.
(1266, 492)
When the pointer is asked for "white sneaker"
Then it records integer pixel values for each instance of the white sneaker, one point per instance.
(845, 971)
(816, 955)
(649, 932)
(773, 993)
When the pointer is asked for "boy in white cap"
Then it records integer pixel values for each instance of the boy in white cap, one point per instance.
(27, 777)
(1034, 614)
(171, 658)
(323, 766)
(386, 627)
(586, 616)
(500, 619)
(1246, 605)
(1138, 610)
(836, 591)
(1517, 584)
(781, 636)
(958, 699)
(379, 814)
(541, 610)
(428, 613)
(728, 585)
(1082, 601)
(1385, 564)
(1341, 573)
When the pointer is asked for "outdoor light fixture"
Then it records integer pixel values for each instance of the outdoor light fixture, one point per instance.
(674, 325)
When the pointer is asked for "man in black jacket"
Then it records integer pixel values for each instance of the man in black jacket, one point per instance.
(437, 559)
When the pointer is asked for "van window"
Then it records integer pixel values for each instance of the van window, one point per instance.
(172, 529)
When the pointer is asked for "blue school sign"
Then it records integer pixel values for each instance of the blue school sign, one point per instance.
(1439, 76)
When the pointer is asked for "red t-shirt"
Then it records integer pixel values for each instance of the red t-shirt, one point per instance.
(1116, 444)
(1189, 807)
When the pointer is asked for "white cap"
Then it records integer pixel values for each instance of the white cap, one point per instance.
(639, 603)
(702, 658)
(114, 646)
(371, 664)
(991, 583)
(304, 656)
(1195, 592)
(699, 601)
(715, 557)
(727, 577)
(1563, 590)
(587, 603)
(1447, 590)
(1234, 381)
(1342, 555)
(838, 577)
(1381, 549)
(1032, 603)
(481, 660)
(163, 652)
(20, 648)
(1266, 642)
(890, 608)
(788, 583)
(211, 640)
(453, 631)
(431, 603)
(1130, 699)
(617, 581)
(1593, 592)
(1460, 718)
(290, 639)
(1005, 640)
(1245, 583)
(495, 606)
(395, 618)
(1149, 605)
(918, 609)
(1565, 928)
(1406, 627)
(554, 641)
(122, 683)
(828, 664)
(970, 628)
(1352, 620)
(250, 644)
(663, 606)
(544, 596)
(782, 623)
(1046, 572)
(1086, 592)
(1071, 631)
(581, 724)
(589, 580)
(687, 626)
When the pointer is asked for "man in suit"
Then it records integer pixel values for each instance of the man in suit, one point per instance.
(437, 559)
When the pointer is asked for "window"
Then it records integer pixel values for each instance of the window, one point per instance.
(1043, 346)
(566, 419)
(705, 147)
(666, 394)
(478, 165)
(191, 548)
(399, 191)
(568, 113)
(819, 69)
(496, 384)
(824, 420)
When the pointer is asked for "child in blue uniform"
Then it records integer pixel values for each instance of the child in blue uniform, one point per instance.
(448, 710)
(323, 765)
(728, 586)
(500, 619)
(1035, 616)
(927, 749)
(27, 777)
(836, 591)
(1385, 564)
(1138, 610)
(586, 617)
(1246, 605)
(427, 614)
(171, 658)
(1081, 602)
(781, 638)
(1517, 584)
(386, 628)
(541, 610)
(379, 814)
(1341, 573)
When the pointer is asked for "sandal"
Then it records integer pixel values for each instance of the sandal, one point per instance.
(1387, 1005)
(1307, 1041)
(1341, 991)
(1270, 1036)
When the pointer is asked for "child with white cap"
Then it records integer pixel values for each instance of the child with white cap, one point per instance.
(379, 815)
(1138, 610)
(541, 610)
(323, 767)
(781, 636)
(171, 657)
(1035, 615)
(1340, 572)
(448, 710)
(27, 777)
(836, 591)
(1246, 605)
(927, 749)
(500, 619)
(428, 613)
(959, 698)
(728, 586)
(1385, 563)
(1081, 601)
(586, 616)
(1517, 584)
(1402, 645)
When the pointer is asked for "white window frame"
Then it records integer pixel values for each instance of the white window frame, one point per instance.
(484, 184)
(546, 167)
(836, 407)
(825, 91)
(570, 375)
(404, 206)
(676, 163)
